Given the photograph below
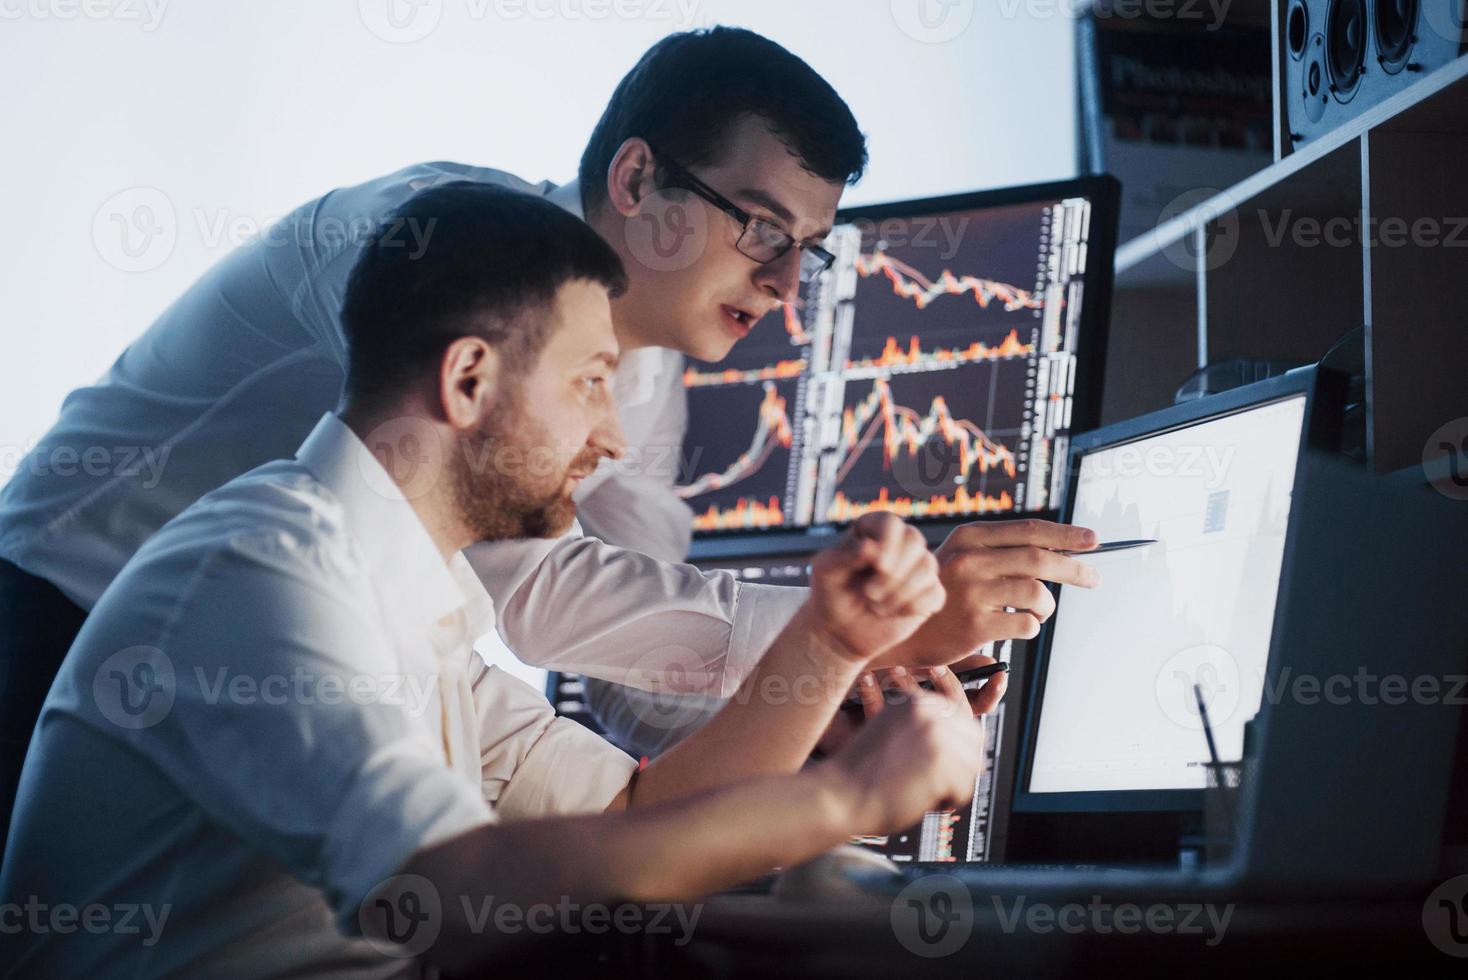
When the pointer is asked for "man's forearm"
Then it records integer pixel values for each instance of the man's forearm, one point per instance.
(675, 851)
(591, 608)
(772, 722)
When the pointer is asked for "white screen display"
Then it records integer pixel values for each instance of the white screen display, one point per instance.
(1118, 710)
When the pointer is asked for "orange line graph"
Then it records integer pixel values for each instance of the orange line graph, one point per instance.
(947, 821)
(693, 378)
(743, 515)
(962, 502)
(894, 356)
(909, 283)
(772, 430)
(793, 325)
(902, 427)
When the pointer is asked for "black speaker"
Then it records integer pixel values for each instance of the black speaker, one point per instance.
(1344, 56)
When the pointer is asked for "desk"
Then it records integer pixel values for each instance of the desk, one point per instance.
(760, 936)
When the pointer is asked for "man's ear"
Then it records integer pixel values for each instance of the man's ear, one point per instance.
(468, 381)
(632, 176)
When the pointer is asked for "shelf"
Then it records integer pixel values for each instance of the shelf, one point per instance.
(1283, 263)
(1435, 104)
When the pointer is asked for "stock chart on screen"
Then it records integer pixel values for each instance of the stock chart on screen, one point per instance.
(930, 372)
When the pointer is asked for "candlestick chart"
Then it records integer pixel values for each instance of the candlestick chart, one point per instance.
(928, 372)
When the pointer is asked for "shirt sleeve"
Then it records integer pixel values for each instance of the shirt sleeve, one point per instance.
(534, 764)
(287, 725)
(640, 513)
(578, 604)
(329, 233)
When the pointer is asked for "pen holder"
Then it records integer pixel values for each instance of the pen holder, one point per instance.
(1224, 789)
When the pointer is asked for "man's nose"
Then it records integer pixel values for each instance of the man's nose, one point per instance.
(608, 438)
(780, 277)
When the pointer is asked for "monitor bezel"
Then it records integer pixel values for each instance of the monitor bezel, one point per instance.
(1104, 193)
(1324, 393)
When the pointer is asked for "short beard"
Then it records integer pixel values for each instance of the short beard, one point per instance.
(494, 505)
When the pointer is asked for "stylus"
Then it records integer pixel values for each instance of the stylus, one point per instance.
(968, 679)
(1101, 549)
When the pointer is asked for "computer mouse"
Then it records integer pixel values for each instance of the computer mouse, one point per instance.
(846, 872)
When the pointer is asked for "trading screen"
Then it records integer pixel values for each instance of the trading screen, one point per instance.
(930, 372)
(1118, 710)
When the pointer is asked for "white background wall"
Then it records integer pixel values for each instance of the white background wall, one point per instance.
(207, 119)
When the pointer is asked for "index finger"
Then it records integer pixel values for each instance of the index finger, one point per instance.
(1041, 534)
(1028, 561)
(949, 687)
(987, 698)
(881, 539)
(870, 693)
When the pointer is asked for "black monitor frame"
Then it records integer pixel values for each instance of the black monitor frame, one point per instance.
(1104, 193)
(1324, 393)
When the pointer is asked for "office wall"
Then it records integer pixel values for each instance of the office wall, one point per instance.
(203, 120)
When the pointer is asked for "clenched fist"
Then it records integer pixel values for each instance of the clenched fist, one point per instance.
(871, 591)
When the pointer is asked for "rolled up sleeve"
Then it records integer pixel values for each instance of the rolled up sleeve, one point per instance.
(581, 605)
(534, 764)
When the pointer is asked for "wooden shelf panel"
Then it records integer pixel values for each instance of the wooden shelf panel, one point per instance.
(1283, 277)
(1286, 261)
(1416, 263)
(1151, 348)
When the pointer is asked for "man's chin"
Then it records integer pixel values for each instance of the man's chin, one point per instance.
(559, 527)
(547, 521)
(557, 519)
(719, 349)
(710, 346)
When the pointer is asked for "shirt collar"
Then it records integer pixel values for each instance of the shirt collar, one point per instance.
(568, 196)
(642, 373)
(400, 554)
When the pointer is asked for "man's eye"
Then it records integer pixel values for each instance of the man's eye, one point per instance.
(771, 233)
(591, 384)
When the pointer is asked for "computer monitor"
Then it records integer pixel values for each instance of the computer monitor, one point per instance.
(936, 370)
(1114, 722)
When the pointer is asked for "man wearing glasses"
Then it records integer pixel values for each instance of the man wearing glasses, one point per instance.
(759, 239)
(644, 722)
(237, 371)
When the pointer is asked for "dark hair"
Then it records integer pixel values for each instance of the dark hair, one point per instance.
(689, 89)
(462, 259)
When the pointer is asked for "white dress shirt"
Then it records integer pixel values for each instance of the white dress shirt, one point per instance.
(236, 372)
(268, 712)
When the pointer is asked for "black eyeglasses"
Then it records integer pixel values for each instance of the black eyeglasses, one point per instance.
(761, 240)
